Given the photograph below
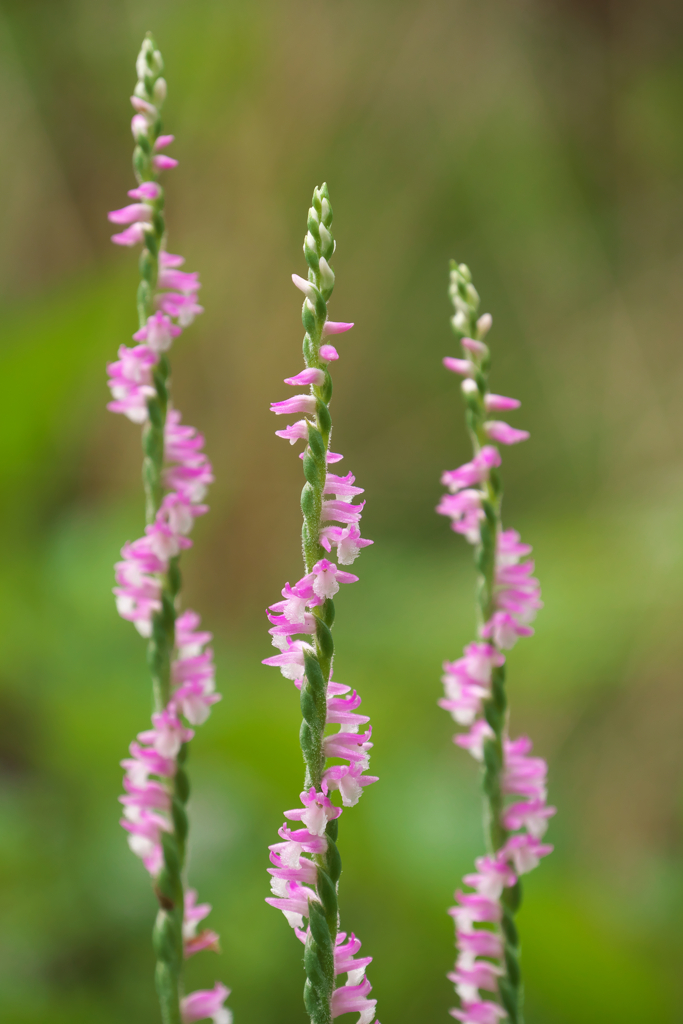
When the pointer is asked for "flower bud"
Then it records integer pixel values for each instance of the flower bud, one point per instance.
(159, 91)
(326, 274)
(484, 324)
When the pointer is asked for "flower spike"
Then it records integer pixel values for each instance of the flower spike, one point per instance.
(474, 685)
(305, 890)
(176, 474)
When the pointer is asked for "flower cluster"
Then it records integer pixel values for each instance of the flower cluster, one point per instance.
(176, 474)
(153, 763)
(509, 597)
(299, 624)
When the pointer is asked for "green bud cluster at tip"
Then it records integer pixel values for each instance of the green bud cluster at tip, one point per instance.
(319, 247)
(465, 323)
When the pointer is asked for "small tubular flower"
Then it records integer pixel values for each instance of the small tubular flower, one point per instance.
(207, 1004)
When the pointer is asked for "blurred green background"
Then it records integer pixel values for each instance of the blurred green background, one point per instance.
(540, 141)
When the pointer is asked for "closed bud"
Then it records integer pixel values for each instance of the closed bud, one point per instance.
(311, 242)
(326, 213)
(326, 242)
(313, 215)
(484, 325)
(326, 275)
(472, 296)
(159, 91)
(469, 387)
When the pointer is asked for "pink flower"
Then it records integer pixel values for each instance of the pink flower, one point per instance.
(148, 795)
(168, 734)
(349, 780)
(525, 852)
(177, 514)
(467, 681)
(499, 403)
(163, 541)
(145, 762)
(135, 212)
(294, 432)
(465, 511)
(462, 366)
(164, 163)
(158, 332)
(310, 375)
(299, 403)
(352, 998)
(130, 382)
(207, 939)
(290, 866)
(144, 836)
(291, 661)
(474, 472)
(344, 953)
(523, 775)
(328, 353)
(206, 1003)
(192, 915)
(350, 746)
(474, 739)
(335, 327)
(477, 348)
(188, 641)
(183, 307)
(479, 1012)
(143, 107)
(327, 577)
(479, 943)
(492, 876)
(504, 630)
(138, 125)
(169, 259)
(147, 190)
(316, 812)
(294, 904)
(529, 814)
(474, 908)
(348, 541)
(163, 141)
(503, 433)
(468, 980)
(509, 548)
(188, 284)
(341, 486)
(131, 236)
(342, 511)
(340, 711)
